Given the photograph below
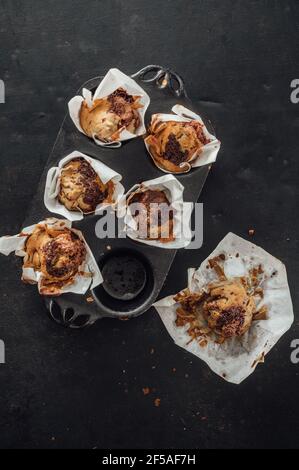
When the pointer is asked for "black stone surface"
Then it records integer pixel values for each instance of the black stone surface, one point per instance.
(66, 389)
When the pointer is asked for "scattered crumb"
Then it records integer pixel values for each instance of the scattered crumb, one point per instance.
(108, 248)
(261, 314)
(204, 418)
(146, 391)
(90, 300)
(259, 360)
(157, 402)
(124, 319)
(174, 370)
(152, 351)
(251, 232)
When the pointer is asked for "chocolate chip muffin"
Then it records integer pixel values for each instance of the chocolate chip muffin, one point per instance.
(229, 310)
(173, 145)
(109, 116)
(56, 254)
(153, 214)
(81, 189)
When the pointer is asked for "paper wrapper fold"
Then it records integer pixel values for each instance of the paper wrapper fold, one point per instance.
(182, 212)
(237, 358)
(112, 81)
(208, 153)
(52, 188)
(90, 276)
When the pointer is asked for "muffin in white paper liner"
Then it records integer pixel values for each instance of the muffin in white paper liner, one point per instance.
(52, 187)
(173, 190)
(111, 82)
(89, 275)
(237, 358)
(206, 155)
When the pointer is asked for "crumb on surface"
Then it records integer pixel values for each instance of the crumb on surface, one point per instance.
(157, 402)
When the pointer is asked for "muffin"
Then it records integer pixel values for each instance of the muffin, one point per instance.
(153, 214)
(173, 145)
(225, 308)
(108, 117)
(56, 254)
(81, 189)
(229, 310)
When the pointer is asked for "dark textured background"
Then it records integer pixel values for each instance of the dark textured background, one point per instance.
(84, 389)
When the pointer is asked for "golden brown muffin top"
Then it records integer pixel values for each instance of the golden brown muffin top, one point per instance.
(223, 309)
(229, 309)
(81, 189)
(109, 116)
(155, 212)
(173, 143)
(57, 254)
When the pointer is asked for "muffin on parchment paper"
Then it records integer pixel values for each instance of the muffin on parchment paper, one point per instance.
(81, 185)
(108, 117)
(155, 213)
(81, 189)
(177, 142)
(235, 309)
(55, 257)
(114, 113)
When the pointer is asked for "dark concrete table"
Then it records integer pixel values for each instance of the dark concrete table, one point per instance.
(62, 388)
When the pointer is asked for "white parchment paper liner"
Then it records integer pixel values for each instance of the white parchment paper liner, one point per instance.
(53, 186)
(209, 152)
(81, 284)
(236, 359)
(182, 212)
(111, 82)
